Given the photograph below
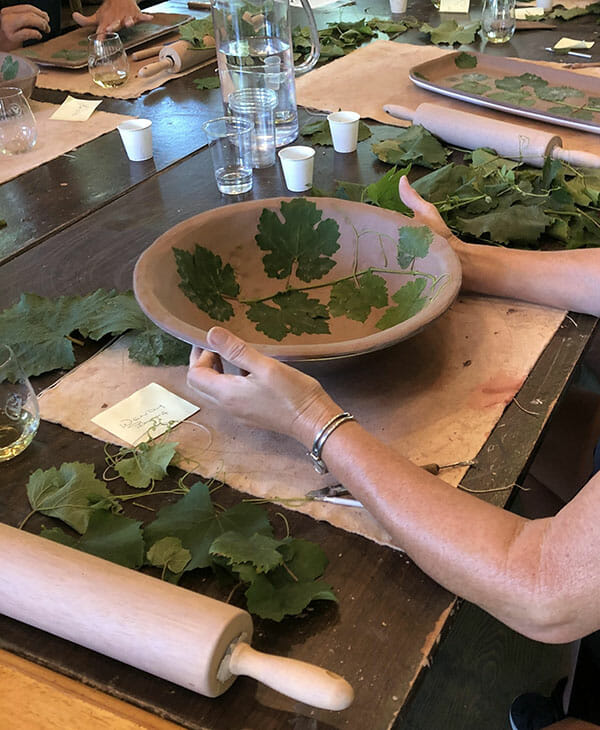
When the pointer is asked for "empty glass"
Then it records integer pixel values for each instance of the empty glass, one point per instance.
(19, 414)
(18, 131)
(498, 20)
(107, 60)
(230, 142)
(258, 106)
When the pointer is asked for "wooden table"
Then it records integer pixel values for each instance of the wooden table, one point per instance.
(88, 234)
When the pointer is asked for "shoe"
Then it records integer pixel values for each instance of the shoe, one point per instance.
(533, 711)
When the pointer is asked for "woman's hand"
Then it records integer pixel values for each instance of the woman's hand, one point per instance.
(271, 395)
(19, 23)
(113, 15)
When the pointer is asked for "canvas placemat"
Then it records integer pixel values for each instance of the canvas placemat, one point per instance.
(54, 138)
(434, 398)
(377, 74)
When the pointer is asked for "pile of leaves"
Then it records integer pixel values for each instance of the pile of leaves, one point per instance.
(42, 331)
(412, 145)
(450, 32)
(199, 34)
(569, 13)
(301, 246)
(280, 576)
(320, 133)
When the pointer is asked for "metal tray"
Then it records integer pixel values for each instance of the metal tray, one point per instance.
(441, 75)
(71, 49)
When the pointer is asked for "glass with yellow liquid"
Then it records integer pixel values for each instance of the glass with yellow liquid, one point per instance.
(107, 60)
(19, 414)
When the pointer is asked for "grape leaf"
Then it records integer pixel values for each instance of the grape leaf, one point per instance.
(206, 281)
(409, 302)
(258, 550)
(517, 223)
(297, 241)
(384, 192)
(170, 555)
(70, 493)
(320, 133)
(490, 161)
(10, 68)
(570, 13)
(294, 314)
(413, 243)
(570, 111)
(465, 60)
(472, 87)
(518, 98)
(514, 83)
(112, 537)
(148, 462)
(111, 313)
(413, 144)
(474, 76)
(594, 101)
(199, 33)
(210, 82)
(194, 520)
(557, 93)
(354, 300)
(350, 191)
(450, 32)
(152, 346)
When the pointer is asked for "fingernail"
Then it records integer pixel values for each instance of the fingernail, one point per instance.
(217, 337)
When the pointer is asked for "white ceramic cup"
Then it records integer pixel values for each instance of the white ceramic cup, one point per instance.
(398, 6)
(344, 130)
(136, 135)
(297, 163)
(546, 4)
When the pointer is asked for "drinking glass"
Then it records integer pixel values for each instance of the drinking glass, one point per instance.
(107, 60)
(230, 142)
(18, 131)
(19, 414)
(498, 20)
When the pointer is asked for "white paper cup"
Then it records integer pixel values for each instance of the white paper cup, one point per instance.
(344, 130)
(546, 4)
(297, 163)
(398, 6)
(136, 135)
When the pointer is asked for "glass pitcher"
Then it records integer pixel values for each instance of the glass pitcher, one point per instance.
(254, 50)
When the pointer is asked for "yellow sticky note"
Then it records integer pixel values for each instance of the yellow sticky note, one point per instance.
(145, 414)
(454, 6)
(566, 44)
(75, 110)
(527, 13)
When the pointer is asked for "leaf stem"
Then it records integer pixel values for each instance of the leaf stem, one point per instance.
(21, 525)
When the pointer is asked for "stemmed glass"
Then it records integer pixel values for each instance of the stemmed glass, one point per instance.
(19, 413)
(18, 131)
(107, 60)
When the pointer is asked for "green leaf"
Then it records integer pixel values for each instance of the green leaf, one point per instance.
(194, 520)
(570, 13)
(490, 161)
(10, 68)
(518, 98)
(565, 110)
(384, 192)
(152, 346)
(472, 87)
(450, 32)
(413, 243)
(350, 191)
(301, 240)
(413, 144)
(320, 133)
(294, 313)
(474, 76)
(514, 83)
(518, 223)
(70, 493)
(196, 31)
(355, 300)
(258, 550)
(409, 302)
(169, 554)
(108, 536)
(210, 82)
(148, 462)
(465, 60)
(557, 93)
(110, 313)
(206, 281)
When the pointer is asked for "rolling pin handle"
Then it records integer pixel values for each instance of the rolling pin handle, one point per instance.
(152, 69)
(400, 112)
(299, 680)
(578, 158)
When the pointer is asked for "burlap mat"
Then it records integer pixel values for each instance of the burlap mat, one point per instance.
(54, 138)
(377, 74)
(435, 398)
(80, 82)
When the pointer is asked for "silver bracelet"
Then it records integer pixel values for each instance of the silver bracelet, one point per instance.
(322, 436)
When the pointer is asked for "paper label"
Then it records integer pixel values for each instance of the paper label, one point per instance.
(145, 414)
(454, 6)
(566, 44)
(529, 13)
(75, 110)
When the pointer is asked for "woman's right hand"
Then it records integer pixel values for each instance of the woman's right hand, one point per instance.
(19, 23)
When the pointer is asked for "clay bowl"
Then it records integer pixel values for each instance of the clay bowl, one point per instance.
(25, 75)
(230, 232)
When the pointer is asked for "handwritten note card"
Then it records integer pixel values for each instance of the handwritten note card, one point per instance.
(454, 6)
(566, 44)
(145, 414)
(75, 110)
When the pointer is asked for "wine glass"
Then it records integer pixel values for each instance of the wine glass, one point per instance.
(18, 131)
(107, 60)
(498, 20)
(19, 413)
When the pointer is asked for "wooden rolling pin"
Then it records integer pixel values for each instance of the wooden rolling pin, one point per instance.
(176, 634)
(508, 140)
(174, 57)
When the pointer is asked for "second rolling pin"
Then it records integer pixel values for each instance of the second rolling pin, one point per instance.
(508, 140)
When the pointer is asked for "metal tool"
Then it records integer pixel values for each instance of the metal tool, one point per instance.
(338, 494)
(570, 53)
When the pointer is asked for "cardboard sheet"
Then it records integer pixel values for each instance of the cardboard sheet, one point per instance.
(434, 398)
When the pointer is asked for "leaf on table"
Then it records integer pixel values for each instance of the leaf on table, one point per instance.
(465, 60)
(199, 33)
(384, 192)
(570, 13)
(320, 133)
(355, 299)
(294, 313)
(209, 82)
(389, 27)
(111, 537)
(409, 301)
(206, 281)
(148, 462)
(557, 93)
(195, 521)
(152, 346)
(490, 161)
(450, 32)
(413, 243)
(111, 314)
(302, 240)
(258, 550)
(10, 68)
(350, 191)
(412, 145)
(170, 555)
(523, 223)
(70, 493)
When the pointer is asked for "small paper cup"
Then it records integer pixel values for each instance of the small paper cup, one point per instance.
(398, 6)
(546, 4)
(344, 130)
(136, 135)
(297, 163)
